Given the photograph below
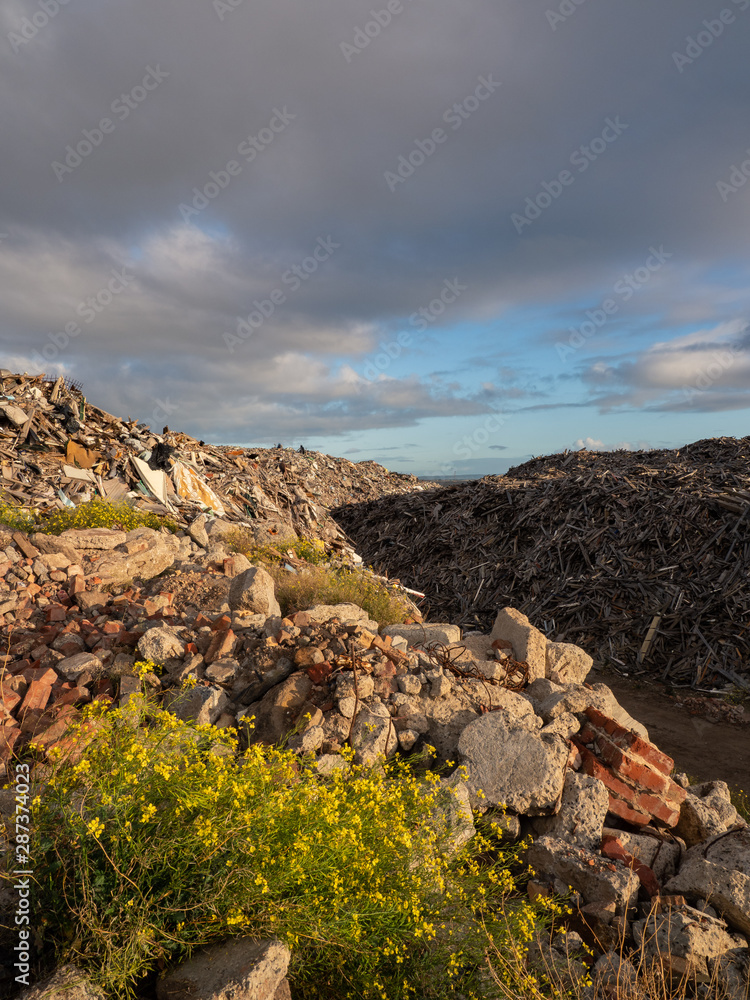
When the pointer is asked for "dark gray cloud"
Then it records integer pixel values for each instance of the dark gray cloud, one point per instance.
(313, 132)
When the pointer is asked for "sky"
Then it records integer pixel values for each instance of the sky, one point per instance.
(445, 236)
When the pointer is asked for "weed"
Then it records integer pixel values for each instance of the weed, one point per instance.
(16, 517)
(156, 838)
(323, 585)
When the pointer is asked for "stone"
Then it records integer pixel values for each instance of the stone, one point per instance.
(160, 644)
(348, 614)
(566, 663)
(222, 646)
(197, 531)
(683, 940)
(614, 972)
(236, 564)
(222, 671)
(719, 872)
(373, 736)
(565, 725)
(583, 808)
(706, 811)
(149, 554)
(511, 765)
(254, 591)
(55, 544)
(201, 705)
(423, 635)
(505, 826)
(576, 698)
(659, 854)
(73, 666)
(237, 969)
(603, 883)
(66, 983)
(529, 644)
(407, 738)
(93, 538)
(409, 684)
(274, 533)
(277, 712)
(454, 809)
(308, 741)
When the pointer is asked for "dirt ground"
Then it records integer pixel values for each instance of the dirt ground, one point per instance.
(705, 749)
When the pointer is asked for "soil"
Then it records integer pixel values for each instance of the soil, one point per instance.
(702, 747)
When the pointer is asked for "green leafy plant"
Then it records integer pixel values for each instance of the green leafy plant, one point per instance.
(154, 836)
(16, 517)
(242, 540)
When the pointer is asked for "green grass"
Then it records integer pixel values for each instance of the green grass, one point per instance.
(151, 841)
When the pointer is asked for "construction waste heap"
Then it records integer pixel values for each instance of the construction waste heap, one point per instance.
(640, 557)
(654, 862)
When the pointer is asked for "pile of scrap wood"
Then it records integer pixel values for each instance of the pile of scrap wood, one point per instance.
(641, 556)
(57, 450)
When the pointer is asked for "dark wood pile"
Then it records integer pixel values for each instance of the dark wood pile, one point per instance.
(642, 558)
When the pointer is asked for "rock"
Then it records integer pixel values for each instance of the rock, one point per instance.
(505, 826)
(223, 671)
(66, 983)
(455, 811)
(566, 663)
(148, 553)
(583, 807)
(613, 971)
(55, 545)
(236, 564)
(607, 884)
(423, 635)
(238, 969)
(92, 538)
(73, 666)
(254, 591)
(197, 531)
(719, 872)
(277, 713)
(308, 741)
(409, 684)
(662, 856)
(565, 725)
(274, 533)
(706, 811)
(160, 644)
(529, 644)
(684, 940)
(200, 704)
(407, 738)
(373, 736)
(511, 765)
(348, 614)
(555, 699)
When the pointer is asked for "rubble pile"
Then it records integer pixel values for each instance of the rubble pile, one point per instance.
(57, 449)
(640, 557)
(650, 858)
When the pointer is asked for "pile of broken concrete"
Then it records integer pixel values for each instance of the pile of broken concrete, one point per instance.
(650, 859)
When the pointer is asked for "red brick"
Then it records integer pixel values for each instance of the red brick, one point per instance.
(221, 623)
(48, 676)
(628, 740)
(77, 585)
(612, 848)
(32, 589)
(128, 638)
(627, 765)
(19, 666)
(112, 627)
(37, 696)
(201, 621)
(76, 696)
(9, 699)
(24, 545)
(591, 765)
(658, 808)
(618, 807)
(222, 645)
(9, 737)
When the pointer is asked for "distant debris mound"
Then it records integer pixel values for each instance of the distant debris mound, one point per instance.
(641, 557)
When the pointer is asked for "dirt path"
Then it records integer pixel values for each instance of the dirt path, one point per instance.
(705, 750)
